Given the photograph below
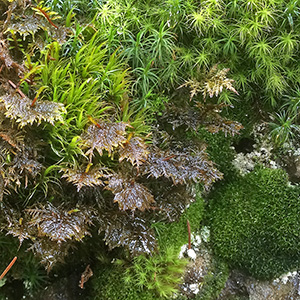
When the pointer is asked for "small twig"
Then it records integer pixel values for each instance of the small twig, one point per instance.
(8, 267)
(85, 276)
(16, 88)
(189, 233)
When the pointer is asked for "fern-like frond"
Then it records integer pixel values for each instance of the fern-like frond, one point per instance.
(215, 81)
(214, 122)
(130, 232)
(59, 224)
(21, 109)
(134, 150)
(17, 226)
(81, 178)
(130, 194)
(104, 136)
(211, 84)
(181, 167)
(50, 252)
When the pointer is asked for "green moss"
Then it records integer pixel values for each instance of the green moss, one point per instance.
(220, 151)
(255, 223)
(160, 273)
(108, 284)
(176, 233)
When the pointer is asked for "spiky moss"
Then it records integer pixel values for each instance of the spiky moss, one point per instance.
(255, 223)
(108, 284)
(146, 278)
(160, 273)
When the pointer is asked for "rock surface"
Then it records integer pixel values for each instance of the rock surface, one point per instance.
(242, 287)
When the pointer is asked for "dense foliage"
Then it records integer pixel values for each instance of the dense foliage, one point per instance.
(115, 114)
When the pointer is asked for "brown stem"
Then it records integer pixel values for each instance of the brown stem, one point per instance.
(47, 17)
(33, 102)
(17, 89)
(169, 157)
(189, 233)
(8, 267)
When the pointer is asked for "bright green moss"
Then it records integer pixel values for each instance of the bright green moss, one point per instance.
(255, 223)
(108, 284)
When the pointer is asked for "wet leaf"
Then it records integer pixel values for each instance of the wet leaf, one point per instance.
(20, 109)
(59, 225)
(25, 25)
(214, 122)
(134, 150)
(130, 232)
(181, 167)
(104, 136)
(18, 226)
(130, 194)
(204, 114)
(50, 252)
(179, 116)
(23, 164)
(172, 201)
(81, 178)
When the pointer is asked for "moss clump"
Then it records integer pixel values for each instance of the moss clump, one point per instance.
(108, 284)
(160, 273)
(255, 223)
(220, 151)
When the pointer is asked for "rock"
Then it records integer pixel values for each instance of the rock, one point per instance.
(292, 167)
(240, 286)
(195, 272)
(191, 254)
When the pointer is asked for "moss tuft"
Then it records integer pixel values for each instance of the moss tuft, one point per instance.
(255, 223)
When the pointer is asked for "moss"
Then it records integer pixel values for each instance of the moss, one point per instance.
(108, 284)
(214, 281)
(160, 273)
(176, 233)
(220, 151)
(255, 223)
